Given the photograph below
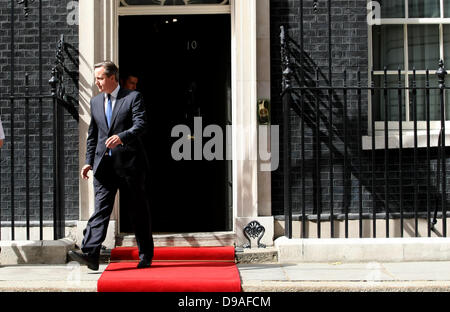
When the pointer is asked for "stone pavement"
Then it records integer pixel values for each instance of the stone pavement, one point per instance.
(428, 276)
(346, 277)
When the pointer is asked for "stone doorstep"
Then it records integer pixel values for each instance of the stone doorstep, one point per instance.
(35, 252)
(260, 255)
(181, 239)
(256, 255)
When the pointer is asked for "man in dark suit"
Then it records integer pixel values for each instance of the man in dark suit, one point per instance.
(116, 157)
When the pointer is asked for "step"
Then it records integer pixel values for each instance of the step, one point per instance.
(256, 255)
(243, 256)
(35, 252)
(212, 239)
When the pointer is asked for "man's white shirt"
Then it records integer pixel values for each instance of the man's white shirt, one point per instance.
(113, 98)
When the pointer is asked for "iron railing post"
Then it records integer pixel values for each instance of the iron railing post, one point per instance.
(414, 104)
(386, 149)
(330, 123)
(286, 85)
(302, 117)
(427, 108)
(57, 89)
(400, 148)
(27, 157)
(441, 73)
(372, 109)
(41, 122)
(359, 135)
(344, 184)
(12, 150)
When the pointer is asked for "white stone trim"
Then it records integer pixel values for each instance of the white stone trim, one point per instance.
(264, 92)
(99, 41)
(244, 89)
(362, 249)
(174, 10)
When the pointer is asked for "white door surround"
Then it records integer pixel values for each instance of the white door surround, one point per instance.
(98, 40)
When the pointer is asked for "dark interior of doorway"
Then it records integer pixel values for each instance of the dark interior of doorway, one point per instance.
(184, 68)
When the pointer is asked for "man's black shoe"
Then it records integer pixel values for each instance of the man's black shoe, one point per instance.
(144, 263)
(92, 261)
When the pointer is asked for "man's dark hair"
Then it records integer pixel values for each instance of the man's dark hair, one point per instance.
(110, 69)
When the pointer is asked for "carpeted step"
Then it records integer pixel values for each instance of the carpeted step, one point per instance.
(178, 253)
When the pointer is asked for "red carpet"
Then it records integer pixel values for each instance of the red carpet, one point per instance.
(178, 253)
(174, 269)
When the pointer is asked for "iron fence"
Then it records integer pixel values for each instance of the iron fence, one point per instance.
(380, 176)
(34, 129)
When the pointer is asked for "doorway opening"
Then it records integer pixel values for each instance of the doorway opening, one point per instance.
(183, 64)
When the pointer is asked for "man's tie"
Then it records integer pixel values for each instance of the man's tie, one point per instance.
(109, 110)
(109, 115)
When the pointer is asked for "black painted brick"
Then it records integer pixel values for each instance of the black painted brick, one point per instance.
(26, 45)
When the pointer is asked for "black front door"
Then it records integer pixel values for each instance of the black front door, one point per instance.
(184, 68)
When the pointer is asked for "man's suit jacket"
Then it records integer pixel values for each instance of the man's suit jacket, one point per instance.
(128, 121)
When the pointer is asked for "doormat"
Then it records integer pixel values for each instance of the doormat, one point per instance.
(174, 269)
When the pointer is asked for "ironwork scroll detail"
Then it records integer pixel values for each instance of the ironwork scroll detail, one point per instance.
(26, 8)
(56, 81)
(287, 72)
(254, 230)
(441, 73)
(315, 5)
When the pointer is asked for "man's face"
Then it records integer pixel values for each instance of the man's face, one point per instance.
(131, 83)
(104, 83)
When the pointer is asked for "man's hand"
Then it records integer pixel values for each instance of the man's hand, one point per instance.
(84, 171)
(1, 143)
(113, 141)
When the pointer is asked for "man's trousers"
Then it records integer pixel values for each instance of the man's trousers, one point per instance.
(106, 183)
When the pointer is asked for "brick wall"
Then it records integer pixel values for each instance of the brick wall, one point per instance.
(350, 50)
(26, 61)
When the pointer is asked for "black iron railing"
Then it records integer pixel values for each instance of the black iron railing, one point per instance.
(34, 132)
(378, 178)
